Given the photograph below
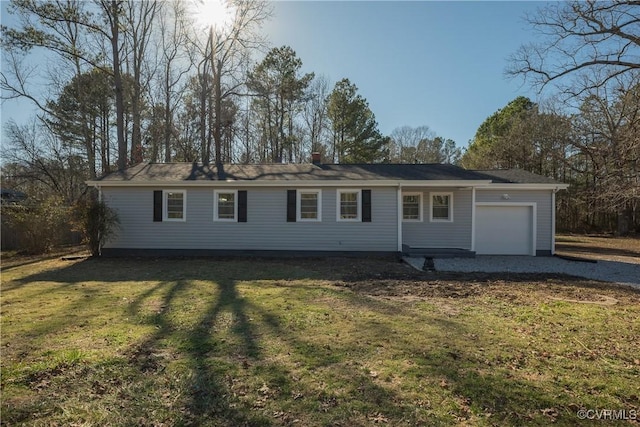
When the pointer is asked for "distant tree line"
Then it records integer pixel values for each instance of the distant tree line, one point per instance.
(130, 81)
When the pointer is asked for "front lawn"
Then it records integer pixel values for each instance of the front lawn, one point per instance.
(311, 342)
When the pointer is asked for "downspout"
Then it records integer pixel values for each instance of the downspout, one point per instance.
(399, 214)
(99, 193)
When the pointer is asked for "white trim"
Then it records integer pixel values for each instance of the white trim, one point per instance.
(553, 222)
(534, 218)
(484, 184)
(473, 219)
(165, 206)
(420, 207)
(298, 205)
(399, 214)
(358, 201)
(216, 193)
(301, 183)
(527, 186)
(440, 193)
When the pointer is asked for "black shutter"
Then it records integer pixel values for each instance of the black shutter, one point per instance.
(242, 206)
(157, 206)
(366, 205)
(291, 205)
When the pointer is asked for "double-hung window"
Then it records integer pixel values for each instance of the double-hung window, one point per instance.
(225, 206)
(175, 205)
(309, 205)
(412, 206)
(349, 205)
(442, 207)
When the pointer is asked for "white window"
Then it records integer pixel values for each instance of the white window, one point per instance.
(309, 205)
(349, 206)
(225, 206)
(412, 206)
(442, 207)
(175, 205)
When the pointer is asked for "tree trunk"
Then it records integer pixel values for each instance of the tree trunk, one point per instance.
(104, 141)
(217, 97)
(136, 132)
(117, 82)
(623, 216)
(167, 117)
(204, 154)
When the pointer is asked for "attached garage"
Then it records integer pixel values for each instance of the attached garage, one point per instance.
(505, 229)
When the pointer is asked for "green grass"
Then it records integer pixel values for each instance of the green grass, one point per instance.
(308, 342)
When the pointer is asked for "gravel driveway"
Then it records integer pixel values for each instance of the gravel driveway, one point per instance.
(609, 271)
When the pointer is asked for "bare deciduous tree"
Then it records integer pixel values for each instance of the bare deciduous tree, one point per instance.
(174, 65)
(578, 39)
(42, 165)
(606, 132)
(223, 58)
(314, 113)
(141, 15)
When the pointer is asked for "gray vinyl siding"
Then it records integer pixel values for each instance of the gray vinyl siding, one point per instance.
(543, 201)
(266, 227)
(427, 234)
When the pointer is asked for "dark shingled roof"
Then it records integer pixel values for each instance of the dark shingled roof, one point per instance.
(166, 172)
(515, 176)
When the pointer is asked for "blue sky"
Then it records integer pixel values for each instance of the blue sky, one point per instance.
(439, 64)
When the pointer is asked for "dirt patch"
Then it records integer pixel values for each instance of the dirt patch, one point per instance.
(386, 279)
(525, 288)
(389, 278)
(147, 359)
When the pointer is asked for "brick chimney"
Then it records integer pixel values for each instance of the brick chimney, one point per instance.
(316, 159)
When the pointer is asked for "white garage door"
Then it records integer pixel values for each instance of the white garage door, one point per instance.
(504, 230)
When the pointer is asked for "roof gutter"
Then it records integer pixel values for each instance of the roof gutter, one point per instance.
(293, 183)
(468, 184)
(528, 186)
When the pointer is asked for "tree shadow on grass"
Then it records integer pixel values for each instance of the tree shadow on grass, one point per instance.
(208, 396)
(211, 396)
(359, 399)
(168, 269)
(470, 391)
(475, 388)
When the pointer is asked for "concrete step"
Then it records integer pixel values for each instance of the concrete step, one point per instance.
(438, 252)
